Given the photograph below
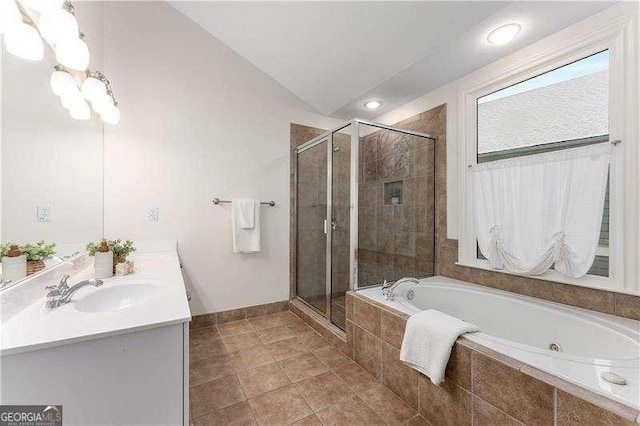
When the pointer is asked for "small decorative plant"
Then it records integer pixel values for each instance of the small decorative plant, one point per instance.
(37, 252)
(119, 249)
(4, 249)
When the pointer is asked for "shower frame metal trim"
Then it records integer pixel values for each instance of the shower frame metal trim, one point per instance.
(353, 216)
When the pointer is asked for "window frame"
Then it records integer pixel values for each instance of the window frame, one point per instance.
(616, 33)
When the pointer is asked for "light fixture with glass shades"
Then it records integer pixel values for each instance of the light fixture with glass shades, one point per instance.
(373, 104)
(504, 34)
(25, 23)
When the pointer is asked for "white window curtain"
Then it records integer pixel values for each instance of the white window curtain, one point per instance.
(537, 211)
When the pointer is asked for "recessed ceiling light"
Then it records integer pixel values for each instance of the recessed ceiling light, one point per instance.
(373, 104)
(504, 34)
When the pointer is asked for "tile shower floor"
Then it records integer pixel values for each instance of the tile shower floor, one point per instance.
(276, 370)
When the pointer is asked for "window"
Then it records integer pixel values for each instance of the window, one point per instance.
(563, 108)
(576, 88)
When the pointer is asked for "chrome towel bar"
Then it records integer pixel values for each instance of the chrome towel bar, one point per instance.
(218, 201)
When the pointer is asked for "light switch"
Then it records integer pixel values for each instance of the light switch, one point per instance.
(152, 214)
(44, 214)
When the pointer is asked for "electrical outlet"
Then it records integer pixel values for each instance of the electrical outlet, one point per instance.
(152, 214)
(44, 214)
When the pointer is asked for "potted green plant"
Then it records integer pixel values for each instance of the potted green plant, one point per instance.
(36, 253)
(119, 248)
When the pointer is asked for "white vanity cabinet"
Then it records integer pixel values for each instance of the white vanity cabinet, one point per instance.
(117, 353)
(132, 378)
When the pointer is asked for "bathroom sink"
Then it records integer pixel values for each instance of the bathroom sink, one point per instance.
(117, 296)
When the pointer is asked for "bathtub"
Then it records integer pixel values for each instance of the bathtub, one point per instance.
(574, 344)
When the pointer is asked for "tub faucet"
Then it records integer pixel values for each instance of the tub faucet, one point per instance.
(61, 294)
(388, 288)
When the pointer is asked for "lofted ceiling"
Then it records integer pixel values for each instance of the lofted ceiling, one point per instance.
(337, 55)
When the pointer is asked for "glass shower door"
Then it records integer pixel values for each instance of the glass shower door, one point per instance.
(311, 242)
(340, 218)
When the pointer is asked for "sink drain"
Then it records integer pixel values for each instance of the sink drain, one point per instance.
(411, 294)
(555, 347)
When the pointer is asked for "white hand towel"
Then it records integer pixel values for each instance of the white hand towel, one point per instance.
(428, 339)
(245, 223)
(244, 212)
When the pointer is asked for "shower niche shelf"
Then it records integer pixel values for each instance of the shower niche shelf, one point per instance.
(393, 193)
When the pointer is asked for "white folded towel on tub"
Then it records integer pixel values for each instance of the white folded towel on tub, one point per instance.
(245, 223)
(428, 339)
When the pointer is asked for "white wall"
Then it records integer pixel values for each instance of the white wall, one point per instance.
(198, 121)
(448, 94)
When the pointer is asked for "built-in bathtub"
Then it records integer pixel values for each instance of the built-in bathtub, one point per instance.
(571, 343)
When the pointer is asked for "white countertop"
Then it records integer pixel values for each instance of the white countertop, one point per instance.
(37, 327)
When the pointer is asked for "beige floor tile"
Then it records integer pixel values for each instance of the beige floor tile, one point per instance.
(201, 349)
(287, 348)
(323, 390)
(387, 405)
(351, 411)
(235, 327)
(250, 358)
(267, 321)
(274, 334)
(209, 369)
(215, 395)
(279, 407)
(239, 414)
(312, 340)
(311, 420)
(263, 379)
(209, 332)
(303, 366)
(238, 342)
(332, 357)
(356, 378)
(417, 421)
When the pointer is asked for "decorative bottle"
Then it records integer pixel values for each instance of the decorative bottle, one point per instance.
(104, 261)
(14, 265)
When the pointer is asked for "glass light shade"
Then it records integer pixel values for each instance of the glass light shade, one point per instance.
(43, 6)
(103, 103)
(93, 89)
(111, 115)
(63, 84)
(80, 111)
(9, 15)
(504, 34)
(73, 53)
(58, 25)
(24, 42)
(72, 99)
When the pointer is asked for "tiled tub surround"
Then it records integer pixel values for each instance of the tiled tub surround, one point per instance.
(276, 370)
(482, 386)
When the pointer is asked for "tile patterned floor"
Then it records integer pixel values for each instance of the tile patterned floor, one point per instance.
(276, 370)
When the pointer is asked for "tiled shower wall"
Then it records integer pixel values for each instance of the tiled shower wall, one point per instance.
(395, 237)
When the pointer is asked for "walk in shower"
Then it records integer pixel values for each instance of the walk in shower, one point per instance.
(365, 212)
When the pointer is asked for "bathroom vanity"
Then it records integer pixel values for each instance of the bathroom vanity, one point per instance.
(115, 354)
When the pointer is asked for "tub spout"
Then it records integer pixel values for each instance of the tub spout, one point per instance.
(388, 288)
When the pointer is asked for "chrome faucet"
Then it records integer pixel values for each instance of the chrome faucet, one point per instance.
(60, 294)
(388, 288)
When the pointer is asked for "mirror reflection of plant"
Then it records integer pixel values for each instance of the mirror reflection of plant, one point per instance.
(4, 248)
(32, 251)
(118, 247)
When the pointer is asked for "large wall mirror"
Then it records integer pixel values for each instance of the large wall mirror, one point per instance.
(52, 165)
